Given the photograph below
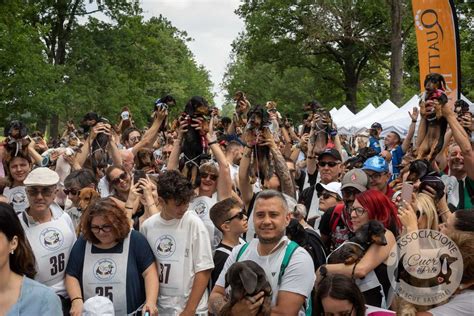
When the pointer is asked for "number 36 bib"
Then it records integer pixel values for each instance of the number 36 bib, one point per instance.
(105, 274)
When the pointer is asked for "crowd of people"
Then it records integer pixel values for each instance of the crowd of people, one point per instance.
(118, 219)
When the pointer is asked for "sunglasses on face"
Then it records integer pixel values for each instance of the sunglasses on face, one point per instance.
(331, 164)
(358, 210)
(122, 177)
(71, 191)
(44, 191)
(325, 195)
(205, 175)
(135, 139)
(240, 215)
(375, 176)
(104, 228)
(349, 192)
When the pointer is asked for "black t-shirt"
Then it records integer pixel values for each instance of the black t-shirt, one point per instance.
(220, 257)
(336, 237)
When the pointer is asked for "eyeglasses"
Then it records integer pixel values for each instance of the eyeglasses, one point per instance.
(331, 164)
(358, 210)
(104, 228)
(348, 192)
(46, 192)
(122, 177)
(375, 176)
(205, 175)
(325, 195)
(240, 215)
(71, 191)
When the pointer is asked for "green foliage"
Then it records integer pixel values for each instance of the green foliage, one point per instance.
(107, 65)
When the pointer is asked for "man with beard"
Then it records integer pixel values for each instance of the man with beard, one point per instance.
(333, 228)
(292, 288)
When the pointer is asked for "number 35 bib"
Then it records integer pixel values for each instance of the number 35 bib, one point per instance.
(105, 274)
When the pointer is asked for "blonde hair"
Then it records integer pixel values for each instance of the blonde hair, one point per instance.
(427, 207)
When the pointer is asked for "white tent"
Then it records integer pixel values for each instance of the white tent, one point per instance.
(347, 126)
(333, 112)
(385, 110)
(342, 114)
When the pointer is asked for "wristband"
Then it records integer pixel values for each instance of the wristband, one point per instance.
(212, 143)
(77, 298)
(413, 121)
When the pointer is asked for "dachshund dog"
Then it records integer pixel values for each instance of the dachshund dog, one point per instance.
(324, 132)
(246, 279)
(433, 127)
(358, 160)
(16, 139)
(86, 197)
(195, 147)
(144, 160)
(259, 124)
(351, 252)
(461, 108)
(242, 108)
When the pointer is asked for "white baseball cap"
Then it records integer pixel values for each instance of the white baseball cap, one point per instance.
(334, 187)
(98, 306)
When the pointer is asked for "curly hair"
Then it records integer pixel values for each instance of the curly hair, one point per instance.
(22, 261)
(172, 185)
(380, 208)
(108, 209)
(339, 287)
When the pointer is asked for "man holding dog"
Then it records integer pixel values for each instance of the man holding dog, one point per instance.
(292, 288)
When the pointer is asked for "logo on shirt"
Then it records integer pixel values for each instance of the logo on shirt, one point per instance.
(105, 269)
(18, 198)
(425, 267)
(200, 208)
(51, 238)
(165, 246)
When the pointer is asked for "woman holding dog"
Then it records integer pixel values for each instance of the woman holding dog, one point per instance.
(371, 269)
(112, 260)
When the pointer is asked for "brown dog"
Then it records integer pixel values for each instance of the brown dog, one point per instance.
(246, 279)
(433, 125)
(86, 197)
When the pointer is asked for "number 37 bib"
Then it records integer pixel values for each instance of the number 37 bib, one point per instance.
(169, 249)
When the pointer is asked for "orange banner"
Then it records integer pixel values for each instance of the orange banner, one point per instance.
(438, 42)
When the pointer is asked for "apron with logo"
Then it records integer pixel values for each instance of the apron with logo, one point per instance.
(169, 248)
(51, 243)
(17, 196)
(105, 274)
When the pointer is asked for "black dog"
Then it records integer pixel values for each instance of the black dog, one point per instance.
(461, 108)
(246, 279)
(351, 252)
(194, 147)
(258, 123)
(442, 277)
(16, 141)
(358, 160)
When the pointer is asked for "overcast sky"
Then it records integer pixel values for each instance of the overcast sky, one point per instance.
(211, 23)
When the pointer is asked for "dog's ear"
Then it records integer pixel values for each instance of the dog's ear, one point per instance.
(249, 279)
(378, 239)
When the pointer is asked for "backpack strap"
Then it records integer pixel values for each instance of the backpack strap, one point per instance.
(290, 249)
(241, 251)
(335, 216)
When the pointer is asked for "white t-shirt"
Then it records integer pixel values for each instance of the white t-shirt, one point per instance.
(182, 248)
(17, 196)
(299, 275)
(201, 205)
(460, 305)
(103, 187)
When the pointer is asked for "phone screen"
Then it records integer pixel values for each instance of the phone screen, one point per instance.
(407, 190)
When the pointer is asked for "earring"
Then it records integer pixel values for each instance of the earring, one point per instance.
(12, 251)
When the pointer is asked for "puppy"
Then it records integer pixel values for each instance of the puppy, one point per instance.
(461, 108)
(16, 139)
(242, 107)
(144, 160)
(246, 279)
(194, 147)
(323, 131)
(86, 197)
(351, 252)
(431, 133)
(259, 123)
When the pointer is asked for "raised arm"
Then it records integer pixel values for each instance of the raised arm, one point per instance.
(244, 179)
(173, 160)
(149, 137)
(411, 130)
(224, 182)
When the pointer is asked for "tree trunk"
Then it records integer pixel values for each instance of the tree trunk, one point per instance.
(396, 61)
(54, 126)
(350, 85)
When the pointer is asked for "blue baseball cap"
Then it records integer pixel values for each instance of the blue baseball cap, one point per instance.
(376, 163)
